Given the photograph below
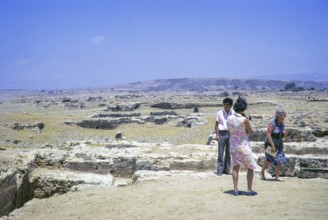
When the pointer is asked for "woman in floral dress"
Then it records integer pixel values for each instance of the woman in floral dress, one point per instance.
(240, 149)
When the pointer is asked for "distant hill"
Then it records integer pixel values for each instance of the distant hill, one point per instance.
(316, 80)
(313, 76)
(212, 84)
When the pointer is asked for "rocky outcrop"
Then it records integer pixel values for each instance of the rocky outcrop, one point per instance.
(294, 135)
(142, 175)
(304, 167)
(20, 126)
(8, 190)
(124, 107)
(108, 123)
(45, 172)
(47, 182)
(70, 105)
(15, 189)
(191, 121)
(161, 118)
(320, 132)
(170, 105)
(164, 113)
(115, 115)
(69, 99)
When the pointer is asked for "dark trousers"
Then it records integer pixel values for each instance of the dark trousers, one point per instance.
(223, 165)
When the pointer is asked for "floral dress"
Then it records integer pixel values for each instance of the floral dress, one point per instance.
(240, 147)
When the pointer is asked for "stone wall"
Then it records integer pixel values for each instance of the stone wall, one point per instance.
(45, 172)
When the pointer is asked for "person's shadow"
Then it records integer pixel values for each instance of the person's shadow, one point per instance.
(231, 192)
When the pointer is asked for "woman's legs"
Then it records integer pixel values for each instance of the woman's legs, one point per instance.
(235, 171)
(264, 167)
(250, 175)
(277, 170)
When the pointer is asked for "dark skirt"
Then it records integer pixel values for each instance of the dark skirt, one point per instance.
(280, 156)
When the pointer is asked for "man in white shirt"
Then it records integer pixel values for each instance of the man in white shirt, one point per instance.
(222, 136)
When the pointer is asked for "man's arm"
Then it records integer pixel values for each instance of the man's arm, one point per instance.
(217, 135)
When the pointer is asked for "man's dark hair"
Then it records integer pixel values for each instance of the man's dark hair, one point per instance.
(228, 100)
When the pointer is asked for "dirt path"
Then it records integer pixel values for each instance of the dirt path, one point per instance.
(185, 197)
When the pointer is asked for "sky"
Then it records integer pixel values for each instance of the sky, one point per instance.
(72, 43)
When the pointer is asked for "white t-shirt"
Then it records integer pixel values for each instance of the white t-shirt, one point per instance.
(221, 118)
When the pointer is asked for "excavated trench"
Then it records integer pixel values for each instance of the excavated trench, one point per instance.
(18, 186)
(44, 174)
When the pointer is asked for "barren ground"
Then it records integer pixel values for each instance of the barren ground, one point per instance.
(179, 197)
(173, 197)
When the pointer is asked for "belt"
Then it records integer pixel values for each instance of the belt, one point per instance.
(223, 131)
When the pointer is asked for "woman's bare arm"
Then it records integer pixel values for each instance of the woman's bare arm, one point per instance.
(248, 126)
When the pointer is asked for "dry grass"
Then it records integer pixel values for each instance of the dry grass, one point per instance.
(56, 132)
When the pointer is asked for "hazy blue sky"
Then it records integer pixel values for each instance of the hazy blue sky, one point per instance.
(120, 41)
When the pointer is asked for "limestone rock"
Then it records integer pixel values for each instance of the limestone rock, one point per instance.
(20, 126)
(47, 182)
(8, 190)
(124, 107)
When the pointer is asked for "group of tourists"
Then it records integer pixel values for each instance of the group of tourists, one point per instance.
(233, 129)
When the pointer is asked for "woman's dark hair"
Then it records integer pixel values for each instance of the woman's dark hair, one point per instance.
(240, 105)
(228, 100)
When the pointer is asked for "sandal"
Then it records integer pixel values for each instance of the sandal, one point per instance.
(236, 193)
(251, 193)
(278, 179)
(262, 176)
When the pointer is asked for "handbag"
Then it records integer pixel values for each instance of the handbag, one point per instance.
(268, 151)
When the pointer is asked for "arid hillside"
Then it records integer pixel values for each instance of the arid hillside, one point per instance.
(220, 84)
